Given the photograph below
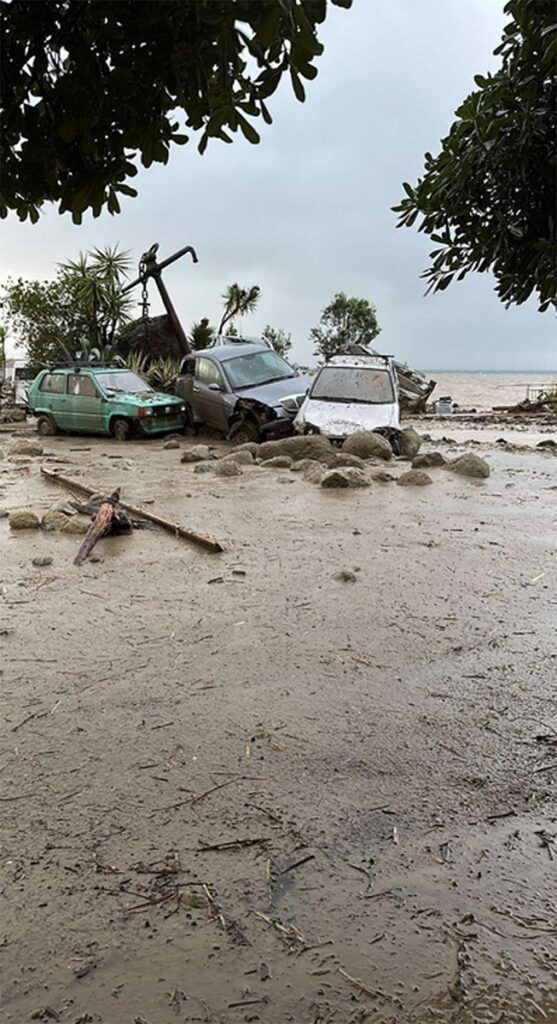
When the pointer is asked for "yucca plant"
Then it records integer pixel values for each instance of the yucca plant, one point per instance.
(138, 362)
(163, 373)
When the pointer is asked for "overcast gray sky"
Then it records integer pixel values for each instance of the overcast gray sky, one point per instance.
(307, 212)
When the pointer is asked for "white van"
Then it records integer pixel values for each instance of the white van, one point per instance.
(352, 393)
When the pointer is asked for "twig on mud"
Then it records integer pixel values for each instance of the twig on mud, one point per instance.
(195, 800)
(248, 1002)
(288, 933)
(227, 924)
(24, 722)
(373, 992)
(233, 844)
(511, 813)
(21, 796)
(298, 863)
(546, 767)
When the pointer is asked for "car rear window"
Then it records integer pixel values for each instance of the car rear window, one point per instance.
(353, 384)
(53, 383)
(80, 385)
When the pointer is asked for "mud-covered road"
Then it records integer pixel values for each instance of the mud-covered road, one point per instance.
(243, 788)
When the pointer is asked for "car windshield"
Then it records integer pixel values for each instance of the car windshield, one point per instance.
(256, 368)
(353, 384)
(122, 382)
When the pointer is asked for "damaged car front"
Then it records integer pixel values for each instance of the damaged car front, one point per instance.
(349, 394)
(247, 391)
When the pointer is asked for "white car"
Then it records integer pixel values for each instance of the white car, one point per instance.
(352, 393)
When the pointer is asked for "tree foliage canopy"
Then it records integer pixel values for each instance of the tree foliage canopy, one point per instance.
(279, 339)
(89, 86)
(345, 321)
(81, 310)
(488, 200)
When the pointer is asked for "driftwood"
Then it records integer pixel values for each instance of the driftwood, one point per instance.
(110, 518)
(179, 531)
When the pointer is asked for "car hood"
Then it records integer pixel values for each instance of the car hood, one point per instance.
(145, 398)
(273, 393)
(340, 419)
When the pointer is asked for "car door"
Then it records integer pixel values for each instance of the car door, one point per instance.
(53, 399)
(208, 394)
(84, 404)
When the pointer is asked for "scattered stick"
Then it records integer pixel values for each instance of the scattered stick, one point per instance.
(511, 813)
(233, 844)
(298, 863)
(288, 933)
(25, 720)
(165, 524)
(546, 767)
(373, 992)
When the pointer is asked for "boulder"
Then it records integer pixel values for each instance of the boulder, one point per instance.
(347, 477)
(241, 458)
(302, 464)
(53, 520)
(470, 465)
(383, 476)
(313, 471)
(366, 444)
(248, 446)
(76, 525)
(42, 560)
(344, 459)
(414, 478)
(4, 513)
(197, 453)
(171, 443)
(26, 448)
(409, 443)
(279, 462)
(203, 467)
(428, 459)
(308, 446)
(227, 468)
(21, 519)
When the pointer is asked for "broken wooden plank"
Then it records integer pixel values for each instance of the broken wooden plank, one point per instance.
(179, 531)
(110, 518)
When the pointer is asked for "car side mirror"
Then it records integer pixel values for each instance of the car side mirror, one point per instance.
(213, 386)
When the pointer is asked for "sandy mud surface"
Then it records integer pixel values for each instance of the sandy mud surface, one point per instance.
(309, 780)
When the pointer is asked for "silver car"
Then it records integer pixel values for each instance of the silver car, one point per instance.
(248, 391)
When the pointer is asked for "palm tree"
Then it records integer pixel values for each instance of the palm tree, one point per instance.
(237, 302)
(202, 334)
(95, 279)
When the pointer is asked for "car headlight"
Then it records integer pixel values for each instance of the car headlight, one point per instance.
(292, 403)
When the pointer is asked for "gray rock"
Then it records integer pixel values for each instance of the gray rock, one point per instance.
(278, 462)
(414, 478)
(22, 519)
(348, 477)
(428, 459)
(227, 469)
(197, 453)
(470, 465)
(310, 446)
(302, 464)
(248, 446)
(203, 467)
(76, 525)
(4, 513)
(241, 457)
(42, 560)
(313, 471)
(366, 444)
(26, 448)
(409, 442)
(54, 520)
(172, 443)
(383, 476)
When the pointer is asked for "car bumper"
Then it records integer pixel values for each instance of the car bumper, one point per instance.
(283, 426)
(150, 426)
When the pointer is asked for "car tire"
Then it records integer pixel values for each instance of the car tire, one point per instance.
(120, 429)
(244, 431)
(46, 426)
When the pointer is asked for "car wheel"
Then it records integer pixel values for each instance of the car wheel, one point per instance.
(244, 431)
(120, 429)
(46, 426)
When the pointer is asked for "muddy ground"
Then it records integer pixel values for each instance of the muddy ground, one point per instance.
(238, 788)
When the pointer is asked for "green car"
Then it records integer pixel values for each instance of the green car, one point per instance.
(102, 400)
